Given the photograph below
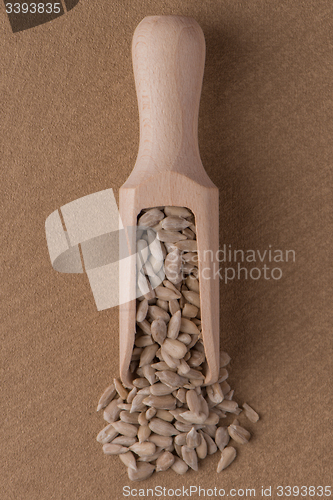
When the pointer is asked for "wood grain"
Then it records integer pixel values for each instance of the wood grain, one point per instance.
(168, 62)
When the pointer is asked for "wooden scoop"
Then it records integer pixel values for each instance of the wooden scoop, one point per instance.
(168, 60)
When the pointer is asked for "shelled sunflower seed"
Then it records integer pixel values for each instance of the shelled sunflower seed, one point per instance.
(170, 420)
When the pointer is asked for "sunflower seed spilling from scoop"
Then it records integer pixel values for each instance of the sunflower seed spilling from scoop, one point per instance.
(170, 420)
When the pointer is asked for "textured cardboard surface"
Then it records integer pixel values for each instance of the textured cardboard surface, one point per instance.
(69, 127)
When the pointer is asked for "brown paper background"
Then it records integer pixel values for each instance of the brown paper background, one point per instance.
(69, 127)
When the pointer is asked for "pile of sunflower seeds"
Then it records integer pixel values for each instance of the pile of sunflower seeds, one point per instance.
(169, 419)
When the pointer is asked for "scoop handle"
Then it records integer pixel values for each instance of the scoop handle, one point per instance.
(168, 62)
